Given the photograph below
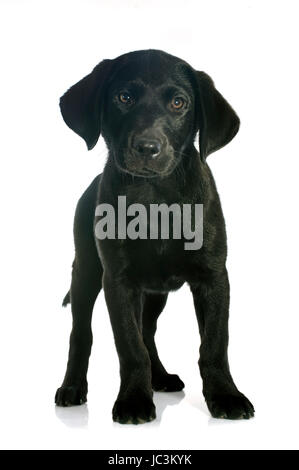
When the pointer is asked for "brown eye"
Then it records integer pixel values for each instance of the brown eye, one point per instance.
(125, 98)
(177, 102)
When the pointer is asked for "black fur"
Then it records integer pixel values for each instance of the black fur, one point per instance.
(152, 159)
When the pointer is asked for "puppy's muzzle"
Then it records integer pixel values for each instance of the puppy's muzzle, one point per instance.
(147, 148)
(148, 153)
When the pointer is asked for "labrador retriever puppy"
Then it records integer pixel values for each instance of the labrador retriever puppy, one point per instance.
(149, 106)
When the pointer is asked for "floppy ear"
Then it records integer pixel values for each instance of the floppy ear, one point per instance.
(218, 121)
(81, 105)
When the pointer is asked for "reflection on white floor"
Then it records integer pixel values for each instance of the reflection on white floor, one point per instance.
(163, 400)
(77, 416)
(73, 416)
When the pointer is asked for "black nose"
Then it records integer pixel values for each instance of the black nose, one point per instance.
(147, 148)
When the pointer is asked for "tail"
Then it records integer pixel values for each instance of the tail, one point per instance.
(66, 299)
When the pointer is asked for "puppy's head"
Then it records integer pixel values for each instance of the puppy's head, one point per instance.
(149, 105)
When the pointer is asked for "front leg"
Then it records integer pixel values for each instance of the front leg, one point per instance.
(211, 300)
(134, 403)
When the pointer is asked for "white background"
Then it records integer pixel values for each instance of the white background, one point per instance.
(250, 48)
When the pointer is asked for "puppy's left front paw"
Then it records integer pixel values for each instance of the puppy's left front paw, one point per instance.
(230, 406)
(135, 409)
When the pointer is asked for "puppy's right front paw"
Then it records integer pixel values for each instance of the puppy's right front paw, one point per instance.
(136, 409)
(71, 395)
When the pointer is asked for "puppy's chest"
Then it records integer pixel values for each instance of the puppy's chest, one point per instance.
(160, 265)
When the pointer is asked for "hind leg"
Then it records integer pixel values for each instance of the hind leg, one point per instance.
(85, 287)
(161, 380)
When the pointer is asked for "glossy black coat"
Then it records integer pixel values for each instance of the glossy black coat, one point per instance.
(138, 274)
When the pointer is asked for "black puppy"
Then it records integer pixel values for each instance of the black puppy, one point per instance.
(149, 105)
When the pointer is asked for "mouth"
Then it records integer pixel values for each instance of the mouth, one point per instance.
(137, 167)
(143, 173)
